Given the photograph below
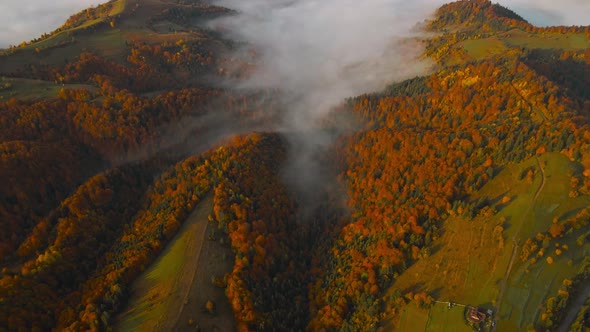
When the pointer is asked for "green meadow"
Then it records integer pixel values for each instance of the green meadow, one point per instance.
(476, 260)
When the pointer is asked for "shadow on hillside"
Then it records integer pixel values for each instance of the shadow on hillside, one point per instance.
(573, 75)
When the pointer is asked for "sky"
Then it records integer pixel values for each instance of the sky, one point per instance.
(24, 20)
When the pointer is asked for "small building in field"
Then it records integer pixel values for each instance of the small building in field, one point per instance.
(475, 315)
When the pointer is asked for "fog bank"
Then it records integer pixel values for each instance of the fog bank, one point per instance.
(321, 52)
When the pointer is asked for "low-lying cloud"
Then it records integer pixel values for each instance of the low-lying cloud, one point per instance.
(25, 20)
(317, 53)
(320, 52)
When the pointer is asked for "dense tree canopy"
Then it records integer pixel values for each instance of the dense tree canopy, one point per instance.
(100, 176)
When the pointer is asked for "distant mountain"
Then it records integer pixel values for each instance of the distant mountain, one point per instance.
(459, 202)
(476, 13)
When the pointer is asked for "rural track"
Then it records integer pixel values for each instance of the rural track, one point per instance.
(193, 230)
(515, 247)
(505, 282)
(532, 108)
(542, 182)
(184, 286)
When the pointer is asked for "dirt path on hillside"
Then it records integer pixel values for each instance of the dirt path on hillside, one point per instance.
(504, 284)
(215, 260)
(185, 280)
(157, 296)
(532, 108)
(542, 181)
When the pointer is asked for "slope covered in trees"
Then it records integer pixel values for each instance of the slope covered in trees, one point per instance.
(98, 180)
(422, 158)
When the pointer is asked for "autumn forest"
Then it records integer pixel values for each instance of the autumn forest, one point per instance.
(119, 124)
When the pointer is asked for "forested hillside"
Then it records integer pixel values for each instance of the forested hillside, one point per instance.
(468, 187)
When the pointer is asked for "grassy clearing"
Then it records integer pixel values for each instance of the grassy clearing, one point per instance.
(436, 319)
(470, 262)
(570, 41)
(109, 42)
(466, 266)
(28, 89)
(484, 48)
(525, 218)
(215, 260)
(157, 296)
(496, 45)
(444, 319)
(413, 319)
(529, 285)
(459, 268)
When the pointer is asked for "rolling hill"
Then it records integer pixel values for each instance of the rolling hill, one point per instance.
(145, 188)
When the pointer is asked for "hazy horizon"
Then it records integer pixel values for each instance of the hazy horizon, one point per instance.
(23, 21)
